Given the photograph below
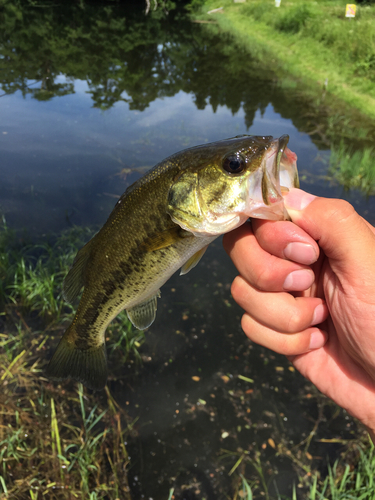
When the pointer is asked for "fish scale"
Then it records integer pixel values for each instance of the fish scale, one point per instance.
(164, 222)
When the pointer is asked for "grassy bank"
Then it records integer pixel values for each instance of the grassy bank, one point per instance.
(313, 41)
(55, 442)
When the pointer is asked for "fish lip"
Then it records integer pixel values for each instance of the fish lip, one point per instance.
(287, 168)
(272, 168)
(284, 168)
(283, 142)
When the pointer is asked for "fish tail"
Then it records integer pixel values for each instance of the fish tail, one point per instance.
(88, 366)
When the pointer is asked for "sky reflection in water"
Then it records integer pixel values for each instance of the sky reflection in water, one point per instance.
(64, 149)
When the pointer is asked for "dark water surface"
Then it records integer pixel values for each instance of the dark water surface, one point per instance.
(91, 98)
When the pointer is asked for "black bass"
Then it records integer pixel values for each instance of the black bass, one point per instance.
(164, 222)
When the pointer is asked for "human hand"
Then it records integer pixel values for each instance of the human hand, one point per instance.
(308, 291)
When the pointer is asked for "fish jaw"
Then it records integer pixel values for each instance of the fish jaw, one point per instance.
(266, 186)
(278, 174)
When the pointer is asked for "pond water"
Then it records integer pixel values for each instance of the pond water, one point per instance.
(90, 100)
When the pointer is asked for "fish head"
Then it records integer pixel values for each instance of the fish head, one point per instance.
(220, 185)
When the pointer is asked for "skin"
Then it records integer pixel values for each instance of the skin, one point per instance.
(308, 291)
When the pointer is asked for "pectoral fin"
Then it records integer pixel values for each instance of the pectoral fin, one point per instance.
(193, 261)
(143, 315)
(165, 238)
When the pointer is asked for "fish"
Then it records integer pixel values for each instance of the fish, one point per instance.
(164, 222)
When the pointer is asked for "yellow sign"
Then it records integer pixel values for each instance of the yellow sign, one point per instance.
(350, 10)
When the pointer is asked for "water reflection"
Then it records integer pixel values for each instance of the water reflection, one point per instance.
(89, 92)
(93, 98)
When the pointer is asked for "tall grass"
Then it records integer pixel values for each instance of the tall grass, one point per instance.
(55, 442)
(351, 40)
(49, 450)
(31, 276)
(295, 19)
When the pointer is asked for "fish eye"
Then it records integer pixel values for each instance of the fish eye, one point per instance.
(234, 164)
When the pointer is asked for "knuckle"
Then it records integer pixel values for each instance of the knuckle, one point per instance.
(293, 344)
(285, 345)
(295, 321)
(340, 210)
(265, 277)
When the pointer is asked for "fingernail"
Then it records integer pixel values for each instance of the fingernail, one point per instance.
(300, 252)
(297, 199)
(299, 280)
(320, 314)
(318, 339)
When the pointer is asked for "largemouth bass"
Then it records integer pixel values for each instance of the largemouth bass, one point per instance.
(164, 222)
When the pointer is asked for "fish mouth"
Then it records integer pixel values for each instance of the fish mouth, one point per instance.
(278, 174)
(287, 166)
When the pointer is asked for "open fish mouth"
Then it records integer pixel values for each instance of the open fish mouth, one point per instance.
(286, 163)
(278, 174)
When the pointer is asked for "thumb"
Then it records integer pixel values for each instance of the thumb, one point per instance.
(340, 231)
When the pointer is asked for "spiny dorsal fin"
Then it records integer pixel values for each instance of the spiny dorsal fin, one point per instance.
(143, 315)
(193, 261)
(88, 366)
(74, 280)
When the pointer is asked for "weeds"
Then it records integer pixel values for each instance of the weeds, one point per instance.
(48, 449)
(345, 482)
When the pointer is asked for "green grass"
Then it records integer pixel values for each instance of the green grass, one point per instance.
(48, 449)
(56, 442)
(345, 482)
(350, 478)
(313, 41)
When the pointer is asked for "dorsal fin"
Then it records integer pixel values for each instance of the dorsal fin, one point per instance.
(74, 280)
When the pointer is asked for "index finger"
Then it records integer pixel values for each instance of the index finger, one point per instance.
(285, 240)
(262, 269)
